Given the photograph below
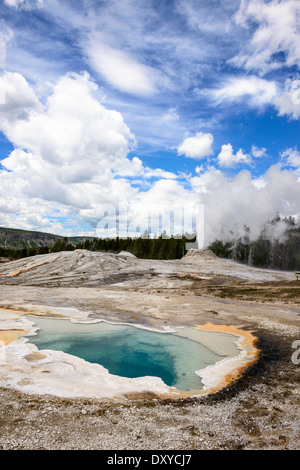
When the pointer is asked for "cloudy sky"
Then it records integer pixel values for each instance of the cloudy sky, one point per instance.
(148, 106)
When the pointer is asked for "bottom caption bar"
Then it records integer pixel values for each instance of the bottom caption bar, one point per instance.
(143, 459)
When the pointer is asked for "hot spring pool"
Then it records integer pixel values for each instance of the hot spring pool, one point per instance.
(130, 351)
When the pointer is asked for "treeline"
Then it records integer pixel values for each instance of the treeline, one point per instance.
(282, 253)
(61, 244)
(12, 254)
(144, 247)
(162, 247)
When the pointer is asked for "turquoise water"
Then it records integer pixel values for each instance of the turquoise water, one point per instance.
(129, 351)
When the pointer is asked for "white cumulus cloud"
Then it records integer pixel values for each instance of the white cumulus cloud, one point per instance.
(227, 158)
(66, 151)
(73, 130)
(197, 147)
(18, 100)
(258, 152)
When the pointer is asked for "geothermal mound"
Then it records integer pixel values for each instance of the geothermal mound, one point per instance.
(194, 256)
(79, 266)
(126, 253)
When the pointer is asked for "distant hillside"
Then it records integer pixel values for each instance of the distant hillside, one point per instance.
(15, 239)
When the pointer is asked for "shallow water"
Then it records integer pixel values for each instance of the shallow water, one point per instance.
(130, 351)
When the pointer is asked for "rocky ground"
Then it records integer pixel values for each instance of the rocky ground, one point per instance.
(258, 411)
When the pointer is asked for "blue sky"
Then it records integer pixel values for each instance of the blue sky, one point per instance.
(156, 103)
